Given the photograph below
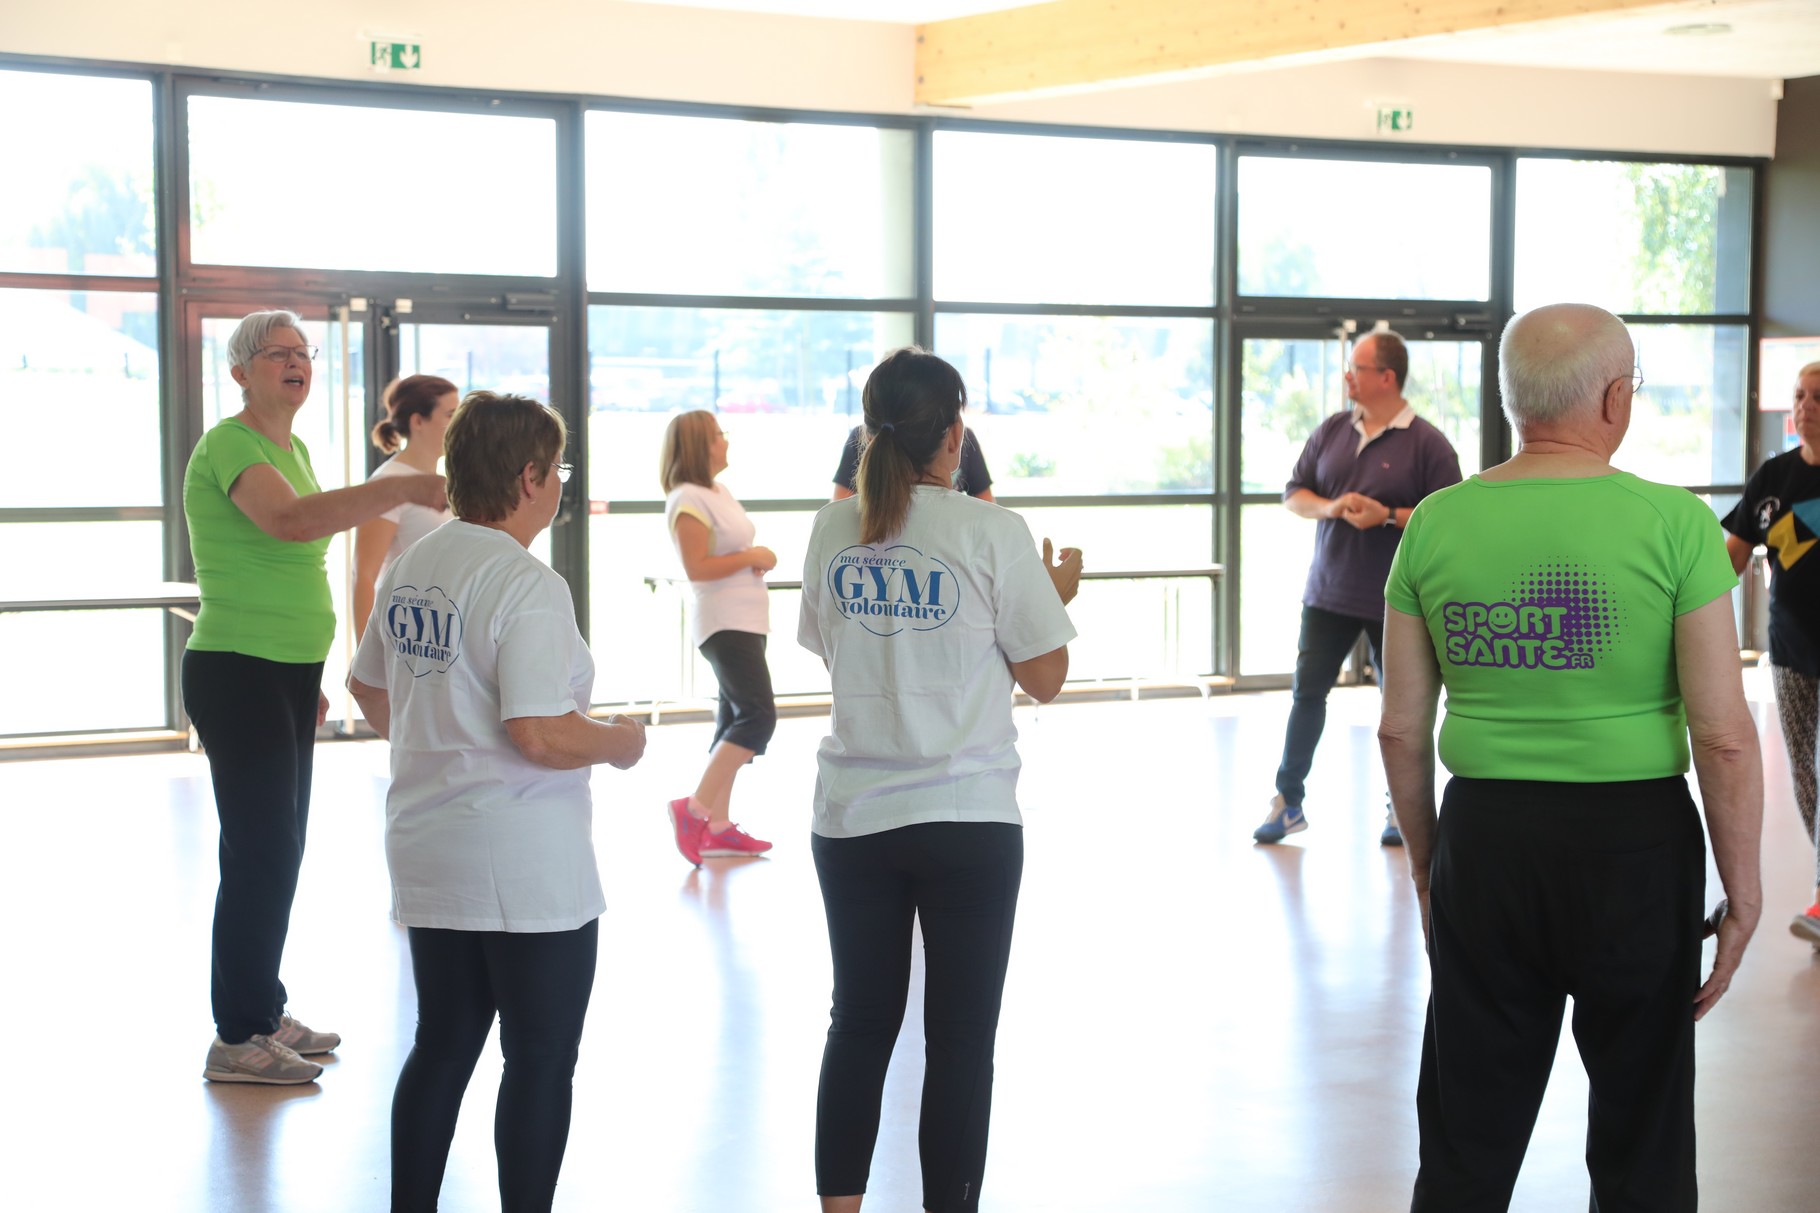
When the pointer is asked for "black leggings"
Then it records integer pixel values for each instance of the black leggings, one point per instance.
(257, 722)
(748, 710)
(539, 985)
(961, 879)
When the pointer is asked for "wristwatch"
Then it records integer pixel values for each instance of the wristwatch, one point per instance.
(1390, 521)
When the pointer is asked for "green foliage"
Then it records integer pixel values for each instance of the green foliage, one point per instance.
(1028, 465)
(1187, 466)
(1676, 211)
(105, 214)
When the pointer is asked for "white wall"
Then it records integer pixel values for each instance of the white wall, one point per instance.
(662, 52)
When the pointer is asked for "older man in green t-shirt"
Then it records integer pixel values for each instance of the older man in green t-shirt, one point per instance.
(1581, 621)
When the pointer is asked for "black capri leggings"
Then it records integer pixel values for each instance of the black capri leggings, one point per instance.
(539, 985)
(961, 879)
(748, 710)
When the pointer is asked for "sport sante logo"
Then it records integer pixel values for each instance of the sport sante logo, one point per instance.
(424, 629)
(894, 590)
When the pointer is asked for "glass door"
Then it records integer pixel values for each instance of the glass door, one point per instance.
(1291, 378)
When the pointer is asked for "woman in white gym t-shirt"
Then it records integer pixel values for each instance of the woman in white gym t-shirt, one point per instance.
(418, 408)
(927, 606)
(731, 614)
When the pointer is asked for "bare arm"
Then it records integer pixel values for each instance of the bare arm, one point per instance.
(841, 493)
(567, 743)
(268, 500)
(1406, 737)
(375, 705)
(372, 540)
(986, 495)
(1739, 551)
(692, 546)
(1042, 676)
(1729, 769)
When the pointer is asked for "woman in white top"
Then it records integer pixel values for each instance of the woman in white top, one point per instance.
(731, 618)
(473, 668)
(418, 408)
(927, 606)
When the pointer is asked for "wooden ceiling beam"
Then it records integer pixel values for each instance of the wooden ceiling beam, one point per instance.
(1074, 45)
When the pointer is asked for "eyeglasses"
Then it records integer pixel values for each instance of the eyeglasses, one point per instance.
(278, 355)
(1635, 378)
(563, 472)
(1356, 369)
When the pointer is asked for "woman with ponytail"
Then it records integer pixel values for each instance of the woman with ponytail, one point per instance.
(927, 606)
(418, 409)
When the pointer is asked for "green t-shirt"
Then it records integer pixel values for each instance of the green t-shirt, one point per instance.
(1552, 606)
(260, 596)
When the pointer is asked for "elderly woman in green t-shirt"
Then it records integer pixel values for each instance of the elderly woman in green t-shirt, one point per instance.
(1581, 621)
(259, 526)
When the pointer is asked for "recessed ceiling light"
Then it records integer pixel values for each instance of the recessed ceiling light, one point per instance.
(1699, 29)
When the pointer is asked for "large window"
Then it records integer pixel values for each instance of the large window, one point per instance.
(78, 196)
(1364, 229)
(273, 182)
(1147, 340)
(1668, 247)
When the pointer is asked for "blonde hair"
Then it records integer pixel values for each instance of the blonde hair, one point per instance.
(683, 458)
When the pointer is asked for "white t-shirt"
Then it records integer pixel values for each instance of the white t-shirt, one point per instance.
(916, 632)
(413, 521)
(739, 601)
(470, 630)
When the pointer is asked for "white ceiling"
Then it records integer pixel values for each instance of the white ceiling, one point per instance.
(1768, 39)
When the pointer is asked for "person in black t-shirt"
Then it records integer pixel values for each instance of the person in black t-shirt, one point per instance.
(973, 478)
(1781, 509)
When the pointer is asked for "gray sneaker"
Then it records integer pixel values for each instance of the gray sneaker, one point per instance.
(303, 1039)
(260, 1059)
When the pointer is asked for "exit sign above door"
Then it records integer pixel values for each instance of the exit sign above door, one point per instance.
(388, 55)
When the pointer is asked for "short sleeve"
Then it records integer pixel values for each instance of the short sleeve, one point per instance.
(1742, 521)
(684, 500)
(369, 660)
(975, 479)
(1028, 618)
(1709, 571)
(808, 615)
(1400, 588)
(848, 471)
(1303, 474)
(536, 650)
(230, 450)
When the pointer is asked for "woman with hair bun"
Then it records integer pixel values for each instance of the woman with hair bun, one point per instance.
(927, 606)
(418, 408)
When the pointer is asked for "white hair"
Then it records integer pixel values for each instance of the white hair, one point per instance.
(251, 334)
(1557, 361)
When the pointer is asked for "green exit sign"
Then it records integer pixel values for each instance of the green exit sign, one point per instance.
(385, 56)
(1396, 119)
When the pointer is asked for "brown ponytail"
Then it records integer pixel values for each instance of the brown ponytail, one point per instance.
(912, 399)
(412, 396)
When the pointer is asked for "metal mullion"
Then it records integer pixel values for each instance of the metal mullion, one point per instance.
(1707, 319)
(757, 303)
(170, 210)
(83, 513)
(81, 282)
(1121, 310)
(922, 233)
(570, 360)
(1228, 411)
(1063, 130)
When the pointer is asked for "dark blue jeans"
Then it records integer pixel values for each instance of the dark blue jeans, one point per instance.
(1321, 651)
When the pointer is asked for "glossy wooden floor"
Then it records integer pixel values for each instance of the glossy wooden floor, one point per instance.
(1192, 1023)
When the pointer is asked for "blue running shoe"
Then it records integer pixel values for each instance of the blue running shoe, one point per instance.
(1285, 819)
(1391, 837)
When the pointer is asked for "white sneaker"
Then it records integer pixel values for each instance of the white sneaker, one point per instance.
(304, 1040)
(259, 1059)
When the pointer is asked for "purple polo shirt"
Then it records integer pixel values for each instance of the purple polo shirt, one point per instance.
(1398, 468)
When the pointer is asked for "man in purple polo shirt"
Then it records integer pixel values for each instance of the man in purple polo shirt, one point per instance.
(1359, 477)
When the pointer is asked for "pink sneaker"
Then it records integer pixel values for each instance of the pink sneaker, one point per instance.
(730, 841)
(689, 830)
(1806, 925)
